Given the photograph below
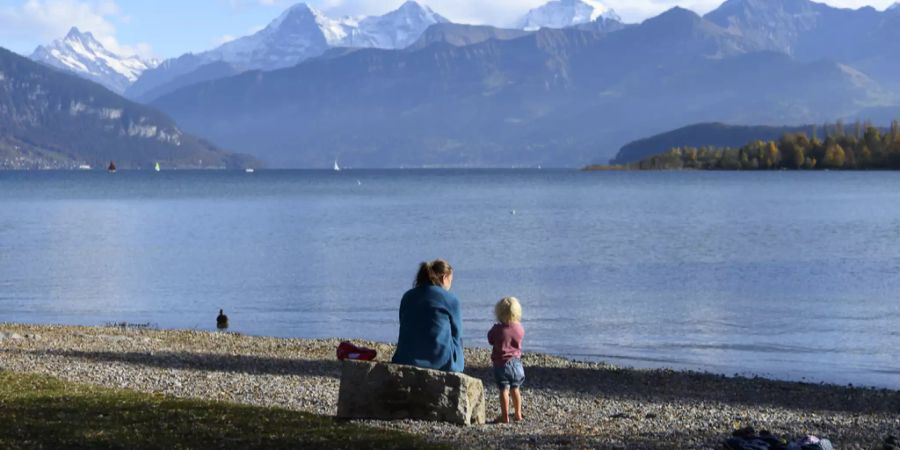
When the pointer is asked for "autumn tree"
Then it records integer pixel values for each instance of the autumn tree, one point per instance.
(772, 156)
(834, 156)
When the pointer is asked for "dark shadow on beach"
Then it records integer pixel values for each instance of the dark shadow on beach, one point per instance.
(602, 382)
(675, 386)
(208, 362)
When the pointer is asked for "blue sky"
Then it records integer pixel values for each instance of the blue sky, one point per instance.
(168, 28)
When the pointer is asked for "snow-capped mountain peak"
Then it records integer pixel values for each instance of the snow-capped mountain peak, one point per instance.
(299, 10)
(386, 31)
(398, 28)
(305, 15)
(413, 9)
(81, 53)
(75, 35)
(566, 13)
(303, 31)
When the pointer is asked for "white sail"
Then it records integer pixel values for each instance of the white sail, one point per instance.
(337, 168)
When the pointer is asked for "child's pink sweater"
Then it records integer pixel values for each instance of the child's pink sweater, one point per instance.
(507, 342)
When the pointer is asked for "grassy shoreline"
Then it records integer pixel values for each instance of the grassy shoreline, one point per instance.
(40, 411)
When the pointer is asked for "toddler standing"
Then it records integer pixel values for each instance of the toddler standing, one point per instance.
(506, 337)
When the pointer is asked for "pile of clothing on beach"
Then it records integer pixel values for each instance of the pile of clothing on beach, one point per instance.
(748, 439)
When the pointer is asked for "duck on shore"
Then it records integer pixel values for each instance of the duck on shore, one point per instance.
(222, 320)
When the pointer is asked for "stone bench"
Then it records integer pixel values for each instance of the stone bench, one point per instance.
(391, 392)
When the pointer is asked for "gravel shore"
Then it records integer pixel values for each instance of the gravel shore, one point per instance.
(568, 404)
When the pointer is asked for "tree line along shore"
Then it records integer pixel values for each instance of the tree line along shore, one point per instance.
(860, 146)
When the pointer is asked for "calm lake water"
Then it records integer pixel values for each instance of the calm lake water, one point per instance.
(788, 275)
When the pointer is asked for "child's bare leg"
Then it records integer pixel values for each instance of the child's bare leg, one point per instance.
(504, 406)
(517, 402)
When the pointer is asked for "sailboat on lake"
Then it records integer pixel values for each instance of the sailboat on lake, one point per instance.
(337, 168)
(156, 168)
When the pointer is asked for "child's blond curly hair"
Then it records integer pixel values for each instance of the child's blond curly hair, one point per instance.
(508, 310)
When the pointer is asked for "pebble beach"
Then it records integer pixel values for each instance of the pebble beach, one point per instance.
(567, 404)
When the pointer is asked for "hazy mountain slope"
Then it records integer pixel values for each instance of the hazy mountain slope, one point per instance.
(83, 55)
(206, 72)
(554, 97)
(430, 106)
(54, 119)
(461, 35)
(864, 38)
(167, 71)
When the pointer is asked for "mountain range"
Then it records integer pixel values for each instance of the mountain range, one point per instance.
(569, 85)
(553, 97)
(299, 33)
(53, 119)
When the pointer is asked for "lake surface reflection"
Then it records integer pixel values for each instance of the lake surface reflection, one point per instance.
(789, 275)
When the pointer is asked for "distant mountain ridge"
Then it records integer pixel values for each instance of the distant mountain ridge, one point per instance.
(303, 32)
(82, 54)
(53, 119)
(863, 38)
(299, 33)
(462, 35)
(552, 97)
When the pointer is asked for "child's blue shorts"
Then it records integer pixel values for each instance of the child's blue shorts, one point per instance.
(510, 375)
